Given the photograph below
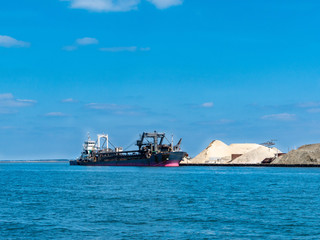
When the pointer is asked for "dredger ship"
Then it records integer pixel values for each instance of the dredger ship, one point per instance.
(150, 153)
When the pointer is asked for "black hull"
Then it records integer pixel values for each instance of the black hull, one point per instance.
(171, 159)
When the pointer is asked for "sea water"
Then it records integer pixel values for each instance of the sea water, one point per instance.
(58, 201)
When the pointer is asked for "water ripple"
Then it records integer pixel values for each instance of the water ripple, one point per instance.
(57, 201)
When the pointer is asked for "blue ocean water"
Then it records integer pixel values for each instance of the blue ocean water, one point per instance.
(58, 201)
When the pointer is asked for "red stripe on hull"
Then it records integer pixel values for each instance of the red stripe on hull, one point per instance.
(171, 163)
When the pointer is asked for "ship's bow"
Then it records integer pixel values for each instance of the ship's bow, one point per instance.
(174, 159)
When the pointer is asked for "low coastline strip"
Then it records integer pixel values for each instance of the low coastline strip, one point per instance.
(35, 161)
(248, 165)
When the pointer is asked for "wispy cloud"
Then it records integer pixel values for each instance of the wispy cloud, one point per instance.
(9, 104)
(207, 104)
(28, 101)
(8, 42)
(125, 49)
(118, 5)
(310, 107)
(280, 116)
(215, 122)
(306, 107)
(107, 106)
(8, 100)
(69, 100)
(119, 49)
(55, 114)
(162, 4)
(308, 104)
(313, 110)
(81, 42)
(105, 5)
(115, 108)
(6, 96)
(202, 105)
(87, 41)
(145, 49)
(70, 48)
(6, 127)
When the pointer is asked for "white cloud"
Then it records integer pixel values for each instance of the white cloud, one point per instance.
(105, 5)
(314, 110)
(8, 100)
(6, 96)
(280, 116)
(55, 114)
(225, 121)
(8, 103)
(309, 104)
(69, 100)
(28, 101)
(6, 127)
(162, 4)
(106, 106)
(70, 48)
(81, 42)
(6, 41)
(115, 109)
(87, 41)
(145, 49)
(207, 104)
(215, 122)
(119, 49)
(118, 5)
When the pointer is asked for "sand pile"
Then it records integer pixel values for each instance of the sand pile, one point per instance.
(307, 154)
(214, 152)
(242, 148)
(256, 156)
(219, 152)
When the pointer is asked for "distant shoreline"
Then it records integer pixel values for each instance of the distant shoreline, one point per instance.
(35, 161)
(248, 165)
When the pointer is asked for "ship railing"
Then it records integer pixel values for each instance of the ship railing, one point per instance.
(123, 153)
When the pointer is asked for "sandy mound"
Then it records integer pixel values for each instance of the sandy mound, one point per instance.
(219, 152)
(256, 156)
(242, 148)
(307, 154)
(215, 151)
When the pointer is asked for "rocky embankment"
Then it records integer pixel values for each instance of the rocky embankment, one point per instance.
(304, 155)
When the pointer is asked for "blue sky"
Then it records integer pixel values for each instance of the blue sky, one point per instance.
(237, 71)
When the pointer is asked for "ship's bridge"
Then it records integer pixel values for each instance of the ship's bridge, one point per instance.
(89, 145)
